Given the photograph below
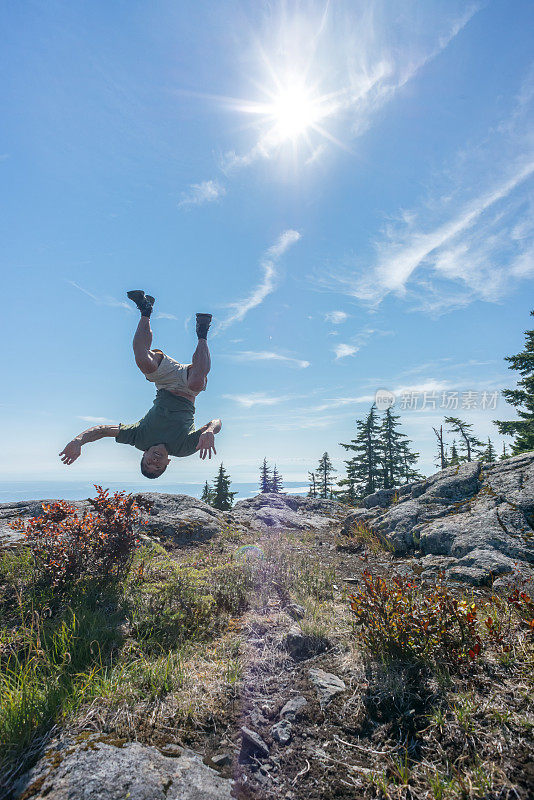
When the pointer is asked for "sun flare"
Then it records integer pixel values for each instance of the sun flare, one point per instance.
(294, 111)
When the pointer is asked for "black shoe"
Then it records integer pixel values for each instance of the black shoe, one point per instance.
(144, 302)
(203, 325)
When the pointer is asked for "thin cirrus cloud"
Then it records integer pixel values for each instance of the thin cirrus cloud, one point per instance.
(267, 355)
(255, 399)
(336, 317)
(268, 281)
(200, 193)
(102, 300)
(95, 420)
(455, 247)
(345, 350)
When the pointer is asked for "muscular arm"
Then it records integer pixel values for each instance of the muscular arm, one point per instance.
(73, 449)
(206, 443)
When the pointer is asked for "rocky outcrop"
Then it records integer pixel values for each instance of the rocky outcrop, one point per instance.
(285, 511)
(473, 521)
(180, 518)
(96, 767)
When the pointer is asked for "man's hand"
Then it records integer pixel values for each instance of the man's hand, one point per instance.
(206, 444)
(71, 452)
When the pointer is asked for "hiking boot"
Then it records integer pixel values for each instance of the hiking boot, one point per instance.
(203, 325)
(144, 302)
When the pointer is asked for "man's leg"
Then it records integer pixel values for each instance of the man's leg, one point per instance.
(146, 360)
(200, 366)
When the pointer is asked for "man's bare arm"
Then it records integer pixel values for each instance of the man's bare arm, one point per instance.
(206, 443)
(73, 449)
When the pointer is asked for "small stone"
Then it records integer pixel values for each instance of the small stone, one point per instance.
(326, 685)
(253, 743)
(281, 732)
(293, 706)
(222, 760)
(301, 646)
(295, 611)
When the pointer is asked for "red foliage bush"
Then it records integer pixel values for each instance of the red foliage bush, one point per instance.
(399, 619)
(68, 546)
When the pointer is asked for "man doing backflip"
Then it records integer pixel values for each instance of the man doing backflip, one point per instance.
(169, 428)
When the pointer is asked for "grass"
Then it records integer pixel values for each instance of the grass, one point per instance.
(363, 537)
(174, 649)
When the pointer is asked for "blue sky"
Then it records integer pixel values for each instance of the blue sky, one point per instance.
(346, 186)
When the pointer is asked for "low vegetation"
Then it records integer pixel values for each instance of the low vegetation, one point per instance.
(186, 646)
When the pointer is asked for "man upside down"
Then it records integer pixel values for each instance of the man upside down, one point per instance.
(169, 427)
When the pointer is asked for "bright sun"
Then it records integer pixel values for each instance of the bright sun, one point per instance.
(294, 111)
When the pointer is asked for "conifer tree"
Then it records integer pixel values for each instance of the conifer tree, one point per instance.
(454, 459)
(409, 459)
(223, 498)
(488, 454)
(465, 430)
(312, 478)
(442, 456)
(504, 455)
(324, 475)
(207, 494)
(392, 451)
(364, 467)
(265, 477)
(277, 482)
(521, 398)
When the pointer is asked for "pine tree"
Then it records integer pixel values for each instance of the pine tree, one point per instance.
(442, 458)
(223, 498)
(522, 398)
(465, 430)
(364, 468)
(312, 478)
(277, 482)
(324, 474)
(409, 459)
(394, 458)
(488, 454)
(504, 454)
(454, 459)
(266, 480)
(207, 494)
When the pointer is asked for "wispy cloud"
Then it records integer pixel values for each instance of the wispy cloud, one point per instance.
(457, 246)
(269, 277)
(267, 355)
(199, 193)
(344, 350)
(255, 399)
(336, 317)
(347, 349)
(96, 420)
(103, 300)
(164, 315)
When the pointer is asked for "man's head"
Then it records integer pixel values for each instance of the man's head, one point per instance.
(155, 461)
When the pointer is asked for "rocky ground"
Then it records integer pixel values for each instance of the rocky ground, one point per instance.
(308, 714)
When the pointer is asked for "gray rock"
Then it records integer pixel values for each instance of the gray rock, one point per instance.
(93, 769)
(474, 521)
(282, 731)
(222, 760)
(287, 511)
(252, 743)
(293, 706)
(301, 646)
(326, 685)
(181, 518)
